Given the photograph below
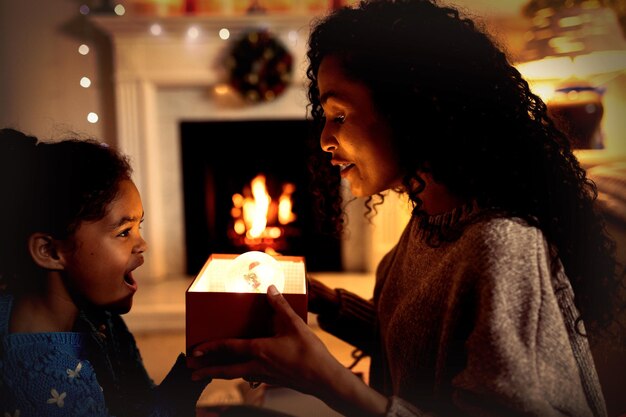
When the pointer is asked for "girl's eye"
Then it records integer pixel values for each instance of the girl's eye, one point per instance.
(124, 233)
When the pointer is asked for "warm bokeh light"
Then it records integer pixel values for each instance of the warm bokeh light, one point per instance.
(92, 117)
(238, 200)
(224, 34)
(119, 10)
(156, 29)
(85, 82)
(293, 36)
(83, 49)
(193, 33)
(240, 227)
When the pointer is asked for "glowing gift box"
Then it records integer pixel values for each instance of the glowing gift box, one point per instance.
(228, 297)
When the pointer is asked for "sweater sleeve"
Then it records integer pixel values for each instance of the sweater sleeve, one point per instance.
(520, 356)
(177, 394)
(344, 315)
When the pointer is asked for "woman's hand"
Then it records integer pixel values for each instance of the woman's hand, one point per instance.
(293, 357)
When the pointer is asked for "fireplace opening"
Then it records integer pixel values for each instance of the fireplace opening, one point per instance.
(246, 187)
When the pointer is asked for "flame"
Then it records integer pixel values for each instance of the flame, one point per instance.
(255, 209)
(251, 214)
(285, 215)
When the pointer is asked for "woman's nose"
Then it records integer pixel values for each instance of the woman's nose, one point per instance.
(328, 142)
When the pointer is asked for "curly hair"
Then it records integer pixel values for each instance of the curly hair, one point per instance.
(50, 187)
(461, 112)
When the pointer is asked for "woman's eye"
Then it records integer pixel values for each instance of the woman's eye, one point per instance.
(340, 119)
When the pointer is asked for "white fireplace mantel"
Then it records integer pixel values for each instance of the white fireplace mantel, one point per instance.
(161, 80)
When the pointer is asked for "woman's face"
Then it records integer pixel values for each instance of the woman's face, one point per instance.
(357, 136)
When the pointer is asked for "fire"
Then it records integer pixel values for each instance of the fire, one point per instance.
(253, 213)
(285, 215)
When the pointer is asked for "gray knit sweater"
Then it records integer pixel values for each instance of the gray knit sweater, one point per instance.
(481, 325)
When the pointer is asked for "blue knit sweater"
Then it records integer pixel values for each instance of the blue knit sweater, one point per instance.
(95, 371)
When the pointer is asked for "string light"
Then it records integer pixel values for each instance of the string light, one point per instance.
(92, 117)
(83, 49)
(193, 32)
(156, 29)
(224, 34)
(119, 10)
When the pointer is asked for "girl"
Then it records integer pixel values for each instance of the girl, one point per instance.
(473, 311)
(71, 240)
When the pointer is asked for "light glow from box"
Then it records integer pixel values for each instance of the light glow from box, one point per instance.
(221, 270)
(253, 272)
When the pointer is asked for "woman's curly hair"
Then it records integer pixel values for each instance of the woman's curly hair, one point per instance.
(460, 111)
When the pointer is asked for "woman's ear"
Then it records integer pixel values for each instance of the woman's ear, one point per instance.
(44, 250)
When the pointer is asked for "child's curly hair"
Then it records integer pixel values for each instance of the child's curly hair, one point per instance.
(50, 187)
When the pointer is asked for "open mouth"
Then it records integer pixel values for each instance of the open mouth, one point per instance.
(344, 168)
(130, 281)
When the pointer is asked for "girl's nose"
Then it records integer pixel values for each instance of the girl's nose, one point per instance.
(141, 246)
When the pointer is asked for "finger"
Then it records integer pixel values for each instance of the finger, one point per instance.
(221, 352)
(238, 347)
(280, 303)
(240, 370)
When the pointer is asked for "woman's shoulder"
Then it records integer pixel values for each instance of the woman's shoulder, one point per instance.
(497, 231)
(500, 242)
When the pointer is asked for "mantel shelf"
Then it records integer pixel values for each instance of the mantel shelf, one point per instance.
(126, 26)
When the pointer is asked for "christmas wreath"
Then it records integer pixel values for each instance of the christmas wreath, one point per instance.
(259, 66)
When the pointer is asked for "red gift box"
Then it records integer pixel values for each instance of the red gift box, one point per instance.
(212, 312)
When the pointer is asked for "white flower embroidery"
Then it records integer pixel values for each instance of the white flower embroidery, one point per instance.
(57, 398)
(15, 414)
(75, 372)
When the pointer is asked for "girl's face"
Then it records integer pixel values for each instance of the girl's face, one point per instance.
(357, 136)
(101, 255)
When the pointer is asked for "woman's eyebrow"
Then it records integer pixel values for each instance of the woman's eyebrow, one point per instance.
(330, 94)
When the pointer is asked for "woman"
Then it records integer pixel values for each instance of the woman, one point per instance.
(474, 310)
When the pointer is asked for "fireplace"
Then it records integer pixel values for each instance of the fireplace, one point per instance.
(162, 83)
(220, 161)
